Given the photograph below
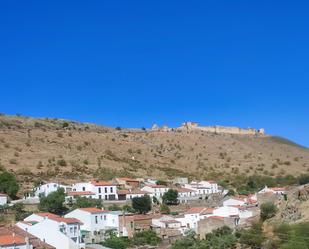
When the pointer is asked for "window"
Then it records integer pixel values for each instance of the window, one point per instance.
(101, 217)
(96, 219)
(71, 229)
(100, 196)
(105, 190)
(99, 190)
(111, 189)
(105, 197)
(104, 217)
(84, 189)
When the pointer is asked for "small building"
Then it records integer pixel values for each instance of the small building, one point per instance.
(46, 189)
(127, 183)
(127, 194)
(156, 190)
(3, 199)
(180, 181)
(275, 190)
(195, 214)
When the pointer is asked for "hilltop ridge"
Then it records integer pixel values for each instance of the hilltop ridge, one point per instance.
(43, 148)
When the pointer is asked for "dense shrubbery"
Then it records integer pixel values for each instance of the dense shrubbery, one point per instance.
(221, 238)
(142, 204)
(54, 202)
(170, 197)
(8, 184)
(139, 239)
(268, 210)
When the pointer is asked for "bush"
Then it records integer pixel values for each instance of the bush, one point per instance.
(252, 237)
(268, 210)
(170, 197)
(146, 238)
(8, 184)
(54, 202)
(84, 202)
(142, 204)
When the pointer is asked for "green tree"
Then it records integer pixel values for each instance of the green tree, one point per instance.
(170, 197)
(20, 212)
(146, 238)
(116, 242)
(84, 202)
(142, 204)
(252, 237)
(54, 202)
(8, 184)
(268, 210)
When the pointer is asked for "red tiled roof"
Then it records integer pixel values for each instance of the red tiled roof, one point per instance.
(93, 210)
(156, 186)
(10, 239)
(184, 190)
(216, 217)
(78, 193)
(102, 183)
(58, 218)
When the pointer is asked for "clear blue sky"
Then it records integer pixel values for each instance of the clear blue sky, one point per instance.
(135, 63)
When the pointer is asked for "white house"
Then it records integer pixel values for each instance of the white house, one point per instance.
(156, 190)
(62, 233)
(12, 241)
(241, 201)
(203, 188)
(229, 211)
(94, 223)
(166, 222)
(276, 190)
(46, 189)
(102, 189)
(128, 194)
(3, 199)
(195, 214)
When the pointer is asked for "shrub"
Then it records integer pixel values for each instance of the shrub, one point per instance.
(268, 210)
(8, 184)
(54, 202)
(142, 204)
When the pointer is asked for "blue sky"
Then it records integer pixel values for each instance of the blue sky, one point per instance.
(135, 63)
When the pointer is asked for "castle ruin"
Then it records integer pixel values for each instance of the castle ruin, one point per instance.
(193, 126)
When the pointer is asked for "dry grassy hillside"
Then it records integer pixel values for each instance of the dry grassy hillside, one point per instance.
(39, 149)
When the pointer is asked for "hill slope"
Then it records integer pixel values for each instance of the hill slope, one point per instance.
(64, 150)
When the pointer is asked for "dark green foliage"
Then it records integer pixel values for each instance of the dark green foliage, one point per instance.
(221, 238)
(164, 209)
(20, 212)
(268, 210)
(303, 179)
(84, 202)
(54, 202)
(252, 237)
(116, 242)
(170, 197)
(114, 207)
(142, 204)
(146, 238)
(8, 184)
(161, 182)
(295, 236)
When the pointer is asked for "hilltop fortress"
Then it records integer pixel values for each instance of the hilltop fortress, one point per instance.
(192, 126)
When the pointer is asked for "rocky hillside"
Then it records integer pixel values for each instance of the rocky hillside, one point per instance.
(38, 149)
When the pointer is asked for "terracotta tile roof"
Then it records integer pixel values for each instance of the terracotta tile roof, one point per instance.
(216, 217)
(156, 186)
(199, 210)
(102, 183)
(57, 218)
(48, 215)
(185, 190)
(78, 193)
(33, 240)
(10, 239)
(93, 210)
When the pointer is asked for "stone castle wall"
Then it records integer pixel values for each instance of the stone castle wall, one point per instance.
(191, 126)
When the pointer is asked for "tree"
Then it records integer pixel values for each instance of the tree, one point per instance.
(146, 238)
(20, 212)
(54, 202)
(84, 202)
(252, 237)
(8, 184)
(268, 210)
(170, 197)
(142, 204)
(303, 179)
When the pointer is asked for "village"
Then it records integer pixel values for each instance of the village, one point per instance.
(170, 209)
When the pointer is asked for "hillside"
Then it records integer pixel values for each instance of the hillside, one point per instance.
(54, 149)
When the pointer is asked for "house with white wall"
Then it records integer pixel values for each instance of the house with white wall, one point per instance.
(104, 190)
(195, 214)
(46, 189)
(3, 199)
(241, 200)
(156, 190)
(203, 188)
(275, 190)
(128, 194)
(59, 232)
